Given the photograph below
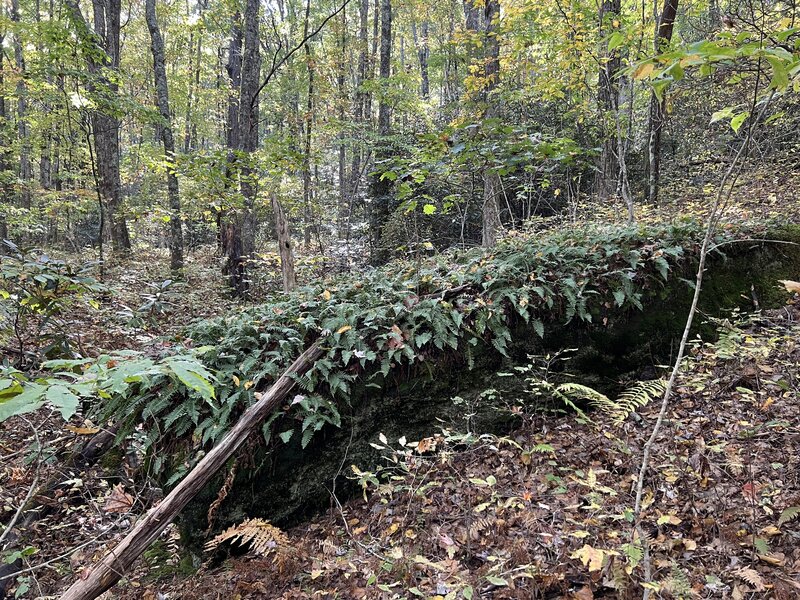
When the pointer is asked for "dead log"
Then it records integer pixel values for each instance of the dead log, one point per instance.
(108, 571)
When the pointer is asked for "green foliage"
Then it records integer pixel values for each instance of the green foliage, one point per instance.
(35, 289)
(788, 515)
(620, 409)
(127, 384)
(396, 317)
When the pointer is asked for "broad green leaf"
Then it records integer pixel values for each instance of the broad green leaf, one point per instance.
(63, 399)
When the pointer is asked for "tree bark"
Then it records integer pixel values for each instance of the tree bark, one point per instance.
(284, 245)
(608, 95)
(381, 188)
(162, 100)
(308, 125)
(5, 159)
(105, 126)
(249, 125)
(658, 113)
(229, 226)
(423, 52)
(107, 572)
(360, 118)
(190, 127)
(23, 129)
(482, 21)
(342, 88)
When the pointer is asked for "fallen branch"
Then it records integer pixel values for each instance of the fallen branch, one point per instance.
(108, 571)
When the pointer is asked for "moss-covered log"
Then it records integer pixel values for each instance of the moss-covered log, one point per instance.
(285, 482)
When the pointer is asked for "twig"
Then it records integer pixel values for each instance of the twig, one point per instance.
(277, 64)
(720, 202)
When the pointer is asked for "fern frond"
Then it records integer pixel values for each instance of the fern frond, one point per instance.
(598, 400)
(639, 395)
(263, 537)
(635, 397)
(789, 514)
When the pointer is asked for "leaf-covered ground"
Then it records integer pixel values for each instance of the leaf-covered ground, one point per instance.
(545, 511)
(725, 472)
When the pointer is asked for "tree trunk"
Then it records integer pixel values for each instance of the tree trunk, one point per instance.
(308, 125)
(381, 188)
(248, 119)
(23, 129)
(658, 113)
(423, 52)
(230, 235)
(162, 96)
(340, 83)
(284, 245)
(5, 162)
(190, 128)
(482, 21)
(359, 108)
(105, 126)
(608, 95)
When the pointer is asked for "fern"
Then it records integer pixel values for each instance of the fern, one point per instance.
(788, 515)
(639, 395)
(620, 409)
(263, 537)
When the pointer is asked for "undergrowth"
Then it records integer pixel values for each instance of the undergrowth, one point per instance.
(403, 314)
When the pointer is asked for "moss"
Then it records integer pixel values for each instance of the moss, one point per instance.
(161, 563)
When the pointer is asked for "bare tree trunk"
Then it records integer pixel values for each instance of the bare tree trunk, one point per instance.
(481, 20)
(423, 52)
(359, 108)
(105, 126)
(162, 95)
(249, 125)
(190, 127)
(372, 59)
(608, 95)
(23, 129)
(381, 188)
(658, 112)
(340, 82)
(284, 245)
(308, 125)
(5, 161)
(229, 226)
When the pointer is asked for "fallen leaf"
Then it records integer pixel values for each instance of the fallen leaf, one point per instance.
(793, 287)
(118, 500)
(82, 430)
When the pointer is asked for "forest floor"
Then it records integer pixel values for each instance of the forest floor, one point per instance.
(546, 511)
(542, 512)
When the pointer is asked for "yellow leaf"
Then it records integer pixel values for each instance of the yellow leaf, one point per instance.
(236, 380)
(343, 329)
(643, 71)
(82, 430)
(591, 557)
(669, 519)
(326, 294)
